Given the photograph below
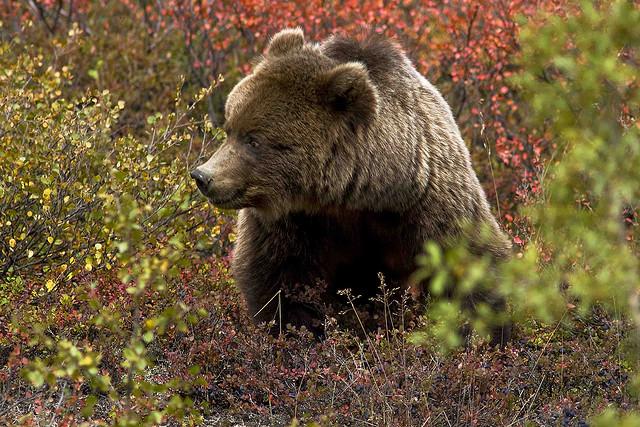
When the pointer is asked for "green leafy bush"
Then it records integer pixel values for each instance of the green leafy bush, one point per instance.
(581, 77)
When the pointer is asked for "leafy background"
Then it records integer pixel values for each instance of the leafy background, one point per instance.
(116, 301)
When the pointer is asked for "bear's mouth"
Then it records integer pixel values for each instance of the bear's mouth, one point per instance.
(229, 200)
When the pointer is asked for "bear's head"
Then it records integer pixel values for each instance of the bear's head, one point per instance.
(293, 129)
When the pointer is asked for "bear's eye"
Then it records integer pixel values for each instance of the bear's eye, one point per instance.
(252, 142)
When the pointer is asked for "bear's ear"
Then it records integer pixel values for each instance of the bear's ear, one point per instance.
(348, 91)
(285, 41)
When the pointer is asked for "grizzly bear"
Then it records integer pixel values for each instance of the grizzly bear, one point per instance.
(343, 161)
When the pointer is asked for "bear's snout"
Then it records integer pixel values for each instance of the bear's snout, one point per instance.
(202, 180)
(220, 181)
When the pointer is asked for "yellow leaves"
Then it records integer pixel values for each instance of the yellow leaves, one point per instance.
(86, 361)
(59, 172)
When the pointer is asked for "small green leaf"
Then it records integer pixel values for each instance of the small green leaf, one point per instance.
(87, 410)
(36, 378)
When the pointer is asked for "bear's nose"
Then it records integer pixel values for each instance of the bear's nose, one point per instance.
(201, 180)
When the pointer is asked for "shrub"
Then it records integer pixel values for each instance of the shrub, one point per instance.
(581, 76)
(78, 200)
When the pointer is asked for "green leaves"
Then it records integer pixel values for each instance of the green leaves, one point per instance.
(93, 73)
(592, 84)
(582, 79)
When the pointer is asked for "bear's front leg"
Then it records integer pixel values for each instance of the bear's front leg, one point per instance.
(276, 272)
(288, 296)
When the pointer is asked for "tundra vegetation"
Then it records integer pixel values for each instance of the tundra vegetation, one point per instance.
(117, 306)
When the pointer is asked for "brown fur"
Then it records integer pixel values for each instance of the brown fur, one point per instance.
(343, 161)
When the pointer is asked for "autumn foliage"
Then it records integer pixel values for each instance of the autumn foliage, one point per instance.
(469, 49)
(116, 303)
